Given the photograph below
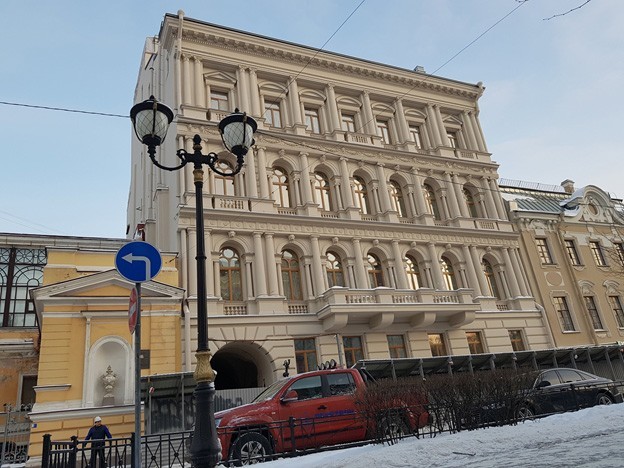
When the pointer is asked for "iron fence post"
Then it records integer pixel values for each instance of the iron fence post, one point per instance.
(45, 455)
(73, 452)
(132, 448)
(291, 424)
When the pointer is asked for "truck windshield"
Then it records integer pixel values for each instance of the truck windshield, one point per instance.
(270, 391)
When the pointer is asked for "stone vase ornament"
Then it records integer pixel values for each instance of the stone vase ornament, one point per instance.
(109, 379)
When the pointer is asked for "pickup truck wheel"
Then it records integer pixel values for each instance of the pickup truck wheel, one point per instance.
(251, 448)
(393, 428)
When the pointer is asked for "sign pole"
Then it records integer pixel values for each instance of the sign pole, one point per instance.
(136, 451)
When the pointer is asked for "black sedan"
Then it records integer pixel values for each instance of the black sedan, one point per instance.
(564, 389)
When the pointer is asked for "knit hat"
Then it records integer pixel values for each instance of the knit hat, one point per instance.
(97, 419)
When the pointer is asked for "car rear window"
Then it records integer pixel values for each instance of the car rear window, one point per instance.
(341, 384)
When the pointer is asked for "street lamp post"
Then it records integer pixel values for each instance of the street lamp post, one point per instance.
(151, 120)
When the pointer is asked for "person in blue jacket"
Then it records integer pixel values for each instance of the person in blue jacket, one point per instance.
(97, 434)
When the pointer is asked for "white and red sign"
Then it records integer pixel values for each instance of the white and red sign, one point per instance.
(133, 311)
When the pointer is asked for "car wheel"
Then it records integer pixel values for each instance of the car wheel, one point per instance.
(525, 412)
(604, 399)
(393, 428)
(251, 448)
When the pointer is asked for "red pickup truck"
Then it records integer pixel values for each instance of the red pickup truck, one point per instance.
(308, 410)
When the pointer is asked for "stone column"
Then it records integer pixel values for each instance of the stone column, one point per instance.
(214, 272)
(384, 196)
(254, 93)
(401, 123)
(333, 107)
(471, 270)
(498, 199)
(347, 194)
(401, 275)
(270, 264)
(295, 103)
(250, 165)
(187, 79)
(441, 127)
(317, 267)
(305, 179)
(369, 123)
(479, 133)
(452, 196)
(470, 133)
(361, 277)
(421, 206)
(459, 194)
(241, 80)
(436, 269)
(525, 289)
(489, 200)
(200, 87)
(262, 173)
(433, 125)
(259, 266)
(511, 274)
(478, 270)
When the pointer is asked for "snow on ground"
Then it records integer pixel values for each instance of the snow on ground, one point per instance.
(591, 437)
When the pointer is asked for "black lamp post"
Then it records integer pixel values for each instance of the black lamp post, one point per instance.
(151, 121)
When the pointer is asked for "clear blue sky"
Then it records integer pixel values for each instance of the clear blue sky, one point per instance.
(551, 109)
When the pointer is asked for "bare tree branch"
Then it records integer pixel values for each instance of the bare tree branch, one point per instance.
(569, 11)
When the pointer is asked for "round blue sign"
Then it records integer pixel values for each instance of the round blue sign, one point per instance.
(138, 261)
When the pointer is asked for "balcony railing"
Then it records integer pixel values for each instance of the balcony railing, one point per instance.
(392, 296)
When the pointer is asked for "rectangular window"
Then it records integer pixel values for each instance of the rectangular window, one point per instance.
(352, 349)
(382, 129)
(517, 342)
(437, 344)
(305, 355)
(543, 251)
(272, 114)
(312, 120)
(452, 136)
(563, 312)
(572, 252)
(475, 344)
(415, 134)
(590, 305)
(396, 345)
(616, 305)
(219, 100)
(27, 395)
(20, 271)
(348, 123)
(597, 253)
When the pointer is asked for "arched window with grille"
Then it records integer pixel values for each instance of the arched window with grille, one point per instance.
(322, 191)
(396, 197)
(448, 273)
(224, 185)
(230, 275)
(291, 276)
(470, 203)
(490, 279)
(361, 195)
(413, 273)
(335, 272)
(281, 187)
(432, 202)
(375, 272)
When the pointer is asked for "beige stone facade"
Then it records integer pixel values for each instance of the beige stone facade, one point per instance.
(368, 214)
(574, 242)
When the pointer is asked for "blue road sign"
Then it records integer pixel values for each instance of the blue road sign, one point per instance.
(138, 261)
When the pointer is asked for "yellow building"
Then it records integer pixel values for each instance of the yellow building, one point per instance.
(82, 315)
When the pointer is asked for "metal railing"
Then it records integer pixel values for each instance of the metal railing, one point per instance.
(14, 434)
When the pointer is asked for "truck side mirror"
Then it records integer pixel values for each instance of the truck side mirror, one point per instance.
(290, 396)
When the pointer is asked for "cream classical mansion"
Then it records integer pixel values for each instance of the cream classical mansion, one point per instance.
(367, 221)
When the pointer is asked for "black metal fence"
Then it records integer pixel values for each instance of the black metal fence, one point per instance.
(14, 434)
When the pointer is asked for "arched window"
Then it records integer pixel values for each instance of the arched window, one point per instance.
(361, 195)
(375, 272)
(470, 203)
(432, 203)
(224, 185)
(413, 274)
(230, 275)
(322, 190)
(291, 276)
(396, 196)
(448, 273)
(335, 273)
(281, 187)
(490, 279)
